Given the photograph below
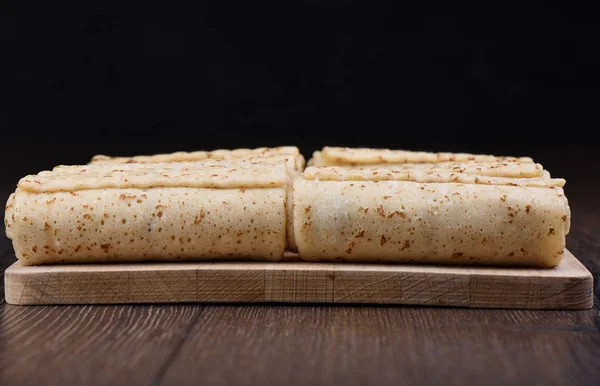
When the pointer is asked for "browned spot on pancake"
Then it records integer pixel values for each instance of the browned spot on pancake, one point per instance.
(199, 217)
(383, 240)
(125, 196)
(349, 250)
(397, 212)
(406, 245)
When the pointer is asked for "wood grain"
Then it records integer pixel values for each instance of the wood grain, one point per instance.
(568, 286)
(328, 345)
(92, 345)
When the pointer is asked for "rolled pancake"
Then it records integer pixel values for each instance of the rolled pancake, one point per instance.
(291, 154)
(404, 217)
(343, 156)
(180, 170)
(245, 154)
(225, 211)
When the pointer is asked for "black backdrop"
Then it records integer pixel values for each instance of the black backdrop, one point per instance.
(84, 79)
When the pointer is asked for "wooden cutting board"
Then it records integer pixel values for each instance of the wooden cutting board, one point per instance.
(568, 286)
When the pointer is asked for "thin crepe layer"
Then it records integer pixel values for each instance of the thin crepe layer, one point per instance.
(210, 174)
(492, 169)
(262, 152)
(447, 223)
(244, 163)
(341, 156)
(482, 176)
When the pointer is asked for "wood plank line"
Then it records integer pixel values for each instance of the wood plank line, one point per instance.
(158, 378)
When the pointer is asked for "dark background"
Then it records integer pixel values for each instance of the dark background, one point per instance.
(83, 79)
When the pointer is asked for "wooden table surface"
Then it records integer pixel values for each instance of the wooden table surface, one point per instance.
(312, 344)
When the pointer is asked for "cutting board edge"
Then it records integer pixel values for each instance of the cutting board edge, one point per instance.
(455, 286)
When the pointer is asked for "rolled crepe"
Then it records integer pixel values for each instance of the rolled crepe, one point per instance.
(119, 174)
(290, 154)
(245, 154)
(217, 209)
(431, 216)
(343, 156)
